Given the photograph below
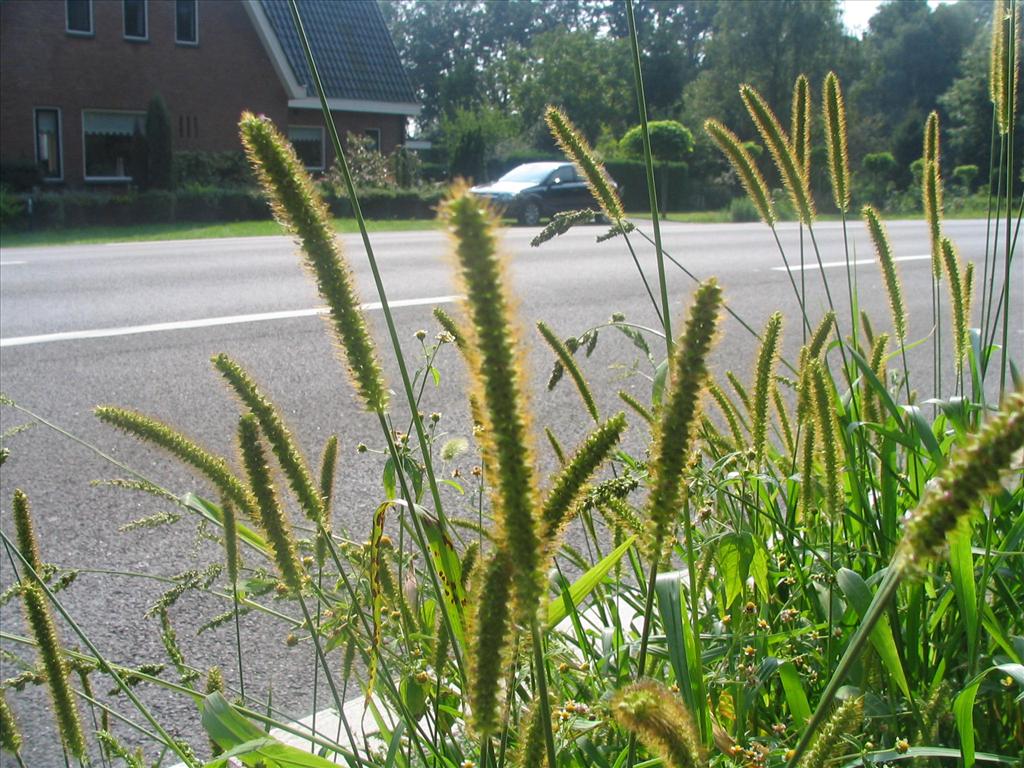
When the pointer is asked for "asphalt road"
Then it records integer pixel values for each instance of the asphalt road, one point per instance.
(135, 325)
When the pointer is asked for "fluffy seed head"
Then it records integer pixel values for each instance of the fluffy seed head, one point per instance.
(494, 363)
(800, 125)
(743, 165)
(490, 626)
(28, 545)
(893, 287)
(973, 471)
(10, 734)
(568, 363)
(835, 130)
(782, 152)
(672, 443)
(275, 524)
(661, 721)
(1004, 70)
(958, 302)
(931, 150)
(828, 432)
(844, 721)
(576, 149)
(299, 208)
(230, 541)
(764, 382)
(931, 195)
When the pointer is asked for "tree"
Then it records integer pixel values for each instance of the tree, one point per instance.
(670, 141)
(159, 150)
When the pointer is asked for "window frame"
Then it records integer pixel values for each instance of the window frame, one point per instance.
(144, 38)
(195, 23)
(377, 131)
(91, 32)
(60, 141)
(323, 145)
(105, 179)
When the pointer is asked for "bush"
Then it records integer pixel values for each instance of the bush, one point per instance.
(391, 204)
(20, 176)
(213, 169)
(742, 210)
(12, 208)
(964, 175)
(670, 141)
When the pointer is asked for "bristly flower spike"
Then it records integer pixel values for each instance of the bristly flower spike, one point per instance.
(891, 277)
(781, 150)
(835, 132)
(954, 277)
(688, 370)
(489, 625)
(328, 465)
(496, 370)
(1004, 68)
(827, 432)
(974, 470)
(45, 633)
(576, 149)
(299, 208)
(292, 462)
(213, 467)
(275, 525)
(10, 735)
(931, 150)
(743, 164)
(661, 721)
(844, 721)
(931, 196)
(230, 542)
(568, 362)
(764, 382)
(28, 545)
(800, 125)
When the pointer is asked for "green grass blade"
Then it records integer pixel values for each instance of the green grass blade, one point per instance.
(961, 566)
(557, 610)
(858, 594)
(796, 697)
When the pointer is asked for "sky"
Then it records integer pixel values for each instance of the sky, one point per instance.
(856, 13)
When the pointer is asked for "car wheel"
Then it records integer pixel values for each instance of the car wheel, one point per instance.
(530, 215)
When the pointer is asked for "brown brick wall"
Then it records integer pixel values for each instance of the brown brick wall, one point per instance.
(206, 86)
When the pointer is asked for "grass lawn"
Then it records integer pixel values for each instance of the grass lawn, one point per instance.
(189, 231)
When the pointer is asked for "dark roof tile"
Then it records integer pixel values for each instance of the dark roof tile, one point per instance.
(351, 46)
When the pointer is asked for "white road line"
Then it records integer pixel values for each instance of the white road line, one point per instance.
(12, 263)
(856, 262)
(207, 322)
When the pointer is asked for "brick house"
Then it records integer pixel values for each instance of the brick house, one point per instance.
(76, 77)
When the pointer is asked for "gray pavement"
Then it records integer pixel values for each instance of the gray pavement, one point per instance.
(135, 325)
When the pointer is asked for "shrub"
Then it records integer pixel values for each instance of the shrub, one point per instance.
(20, 176)
(670, 141)
(964, 175)
(741, 209)
(12, 208)
(212, 169)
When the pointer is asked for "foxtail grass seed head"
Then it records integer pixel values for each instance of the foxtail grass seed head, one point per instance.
(658, 717)
(844, 722)
(744, 167)
(783, 415)
(642, 411)
(531, 752)
(835, 132)
(1004, 68)
(565, 357)
(672, 444)
(299, 208)
(275, 524)
(230, 541)
(958, 302)
(447, 322)
(782, 152)
(213, 467)
(968, 291)
(891, 278)
(28, 545)
(575, 147)
(495, 366)
(328, 465)
(69, 724)
(729, 411)
(870, 399)
(575, 475)
(280, 439)
(958, 489)
(931, 150)
(490, 627)
(10, 734)
(931, 195)
(828, 433)
(800, 125)
(807, 446)
(816, 344)
(561, 223)
(556, 446)
(764, 382)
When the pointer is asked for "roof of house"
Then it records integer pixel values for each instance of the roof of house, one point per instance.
(351, 45)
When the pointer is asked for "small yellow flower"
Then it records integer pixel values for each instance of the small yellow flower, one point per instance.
(902, 745)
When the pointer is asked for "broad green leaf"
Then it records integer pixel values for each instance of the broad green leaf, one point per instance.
(213, 513)
(585, 584)
(961, 566)
(735, 553)
(658, 387)
(924, 432)
(449, 571)
(796, 698)
(891, 755)
(858, 595)
(671, 608)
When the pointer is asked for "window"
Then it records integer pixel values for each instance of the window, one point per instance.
(309, 145)
(78, 14)
(48, 144)
(373, 134)
(110, 138)
(186, 21)
(135, 19)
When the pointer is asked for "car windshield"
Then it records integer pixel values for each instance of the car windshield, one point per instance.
(529, 172)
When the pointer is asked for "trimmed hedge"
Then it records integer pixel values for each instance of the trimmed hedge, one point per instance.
(391, 204)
